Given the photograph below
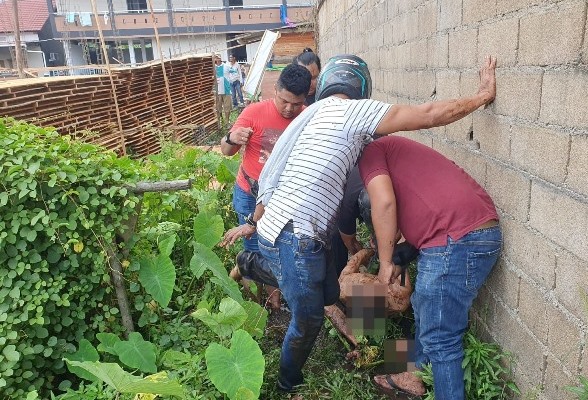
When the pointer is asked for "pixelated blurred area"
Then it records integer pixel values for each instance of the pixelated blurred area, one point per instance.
(366, 310)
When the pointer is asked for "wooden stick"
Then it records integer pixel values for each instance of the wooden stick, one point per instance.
(116, 273)
(107, 60)
(17, 46)
(169, 99)
(164, 186)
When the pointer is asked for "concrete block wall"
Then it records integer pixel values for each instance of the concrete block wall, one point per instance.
(529, 149)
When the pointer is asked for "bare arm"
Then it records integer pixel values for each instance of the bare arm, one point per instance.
(428, 115)
(240, 136)
(245, 230)
(385, 223)
(351, 242)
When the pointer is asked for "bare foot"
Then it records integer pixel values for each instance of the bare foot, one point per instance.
(405, 381)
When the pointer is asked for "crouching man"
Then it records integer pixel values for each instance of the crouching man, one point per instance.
(453, 222)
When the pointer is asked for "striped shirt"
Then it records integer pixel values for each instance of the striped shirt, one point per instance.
(311, 187)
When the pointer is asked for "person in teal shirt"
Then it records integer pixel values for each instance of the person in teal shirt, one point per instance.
(223, 91)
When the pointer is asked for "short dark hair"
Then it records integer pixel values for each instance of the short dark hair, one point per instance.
(307, 57)
(295, 79)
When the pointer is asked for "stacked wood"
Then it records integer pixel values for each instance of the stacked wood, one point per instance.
(84, 107)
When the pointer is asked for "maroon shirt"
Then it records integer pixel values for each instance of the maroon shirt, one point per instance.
(434, 197)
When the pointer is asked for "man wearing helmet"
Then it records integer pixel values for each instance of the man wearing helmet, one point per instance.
(303, 181)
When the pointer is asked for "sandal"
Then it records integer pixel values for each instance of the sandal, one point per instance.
(396, 392)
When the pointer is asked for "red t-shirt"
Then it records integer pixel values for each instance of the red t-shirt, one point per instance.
(434, 197)
(268, 124)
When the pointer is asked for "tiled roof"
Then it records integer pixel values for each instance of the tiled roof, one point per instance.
(32, 14)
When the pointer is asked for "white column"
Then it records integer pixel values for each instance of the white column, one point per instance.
(143, 50)
(132, 52)
(67, 52)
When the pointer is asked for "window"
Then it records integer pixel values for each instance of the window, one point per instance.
(137, 5)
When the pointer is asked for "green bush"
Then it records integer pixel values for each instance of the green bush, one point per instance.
(61, 204)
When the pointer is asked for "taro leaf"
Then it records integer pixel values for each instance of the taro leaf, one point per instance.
(137, 353)
(120, 380)
(203, 259)
(227, 170)
(229, 286)
(208, 228)
(158, 276)
(166, 245)
(230, 317)
(240, 366)
(107, 342)
(256, 318)
(245, 394)
(86, 352)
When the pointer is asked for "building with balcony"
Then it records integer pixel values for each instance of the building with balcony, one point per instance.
(35, 34)
(133, 34)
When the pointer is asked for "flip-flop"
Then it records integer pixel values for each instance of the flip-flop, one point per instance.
(395, 391)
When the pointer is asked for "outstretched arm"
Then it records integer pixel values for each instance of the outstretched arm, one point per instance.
(245, 230)
(403, 117)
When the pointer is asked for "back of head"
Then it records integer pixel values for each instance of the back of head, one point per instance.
(345, 74)
(295, 79)
(307, 57)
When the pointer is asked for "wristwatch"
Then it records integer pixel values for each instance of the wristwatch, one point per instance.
(249, 221)
(228, 140)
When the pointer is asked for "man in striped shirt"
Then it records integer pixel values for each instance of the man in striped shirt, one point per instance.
(302, 185)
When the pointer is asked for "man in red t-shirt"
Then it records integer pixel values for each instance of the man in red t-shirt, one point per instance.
(451, 219)
(257, 129)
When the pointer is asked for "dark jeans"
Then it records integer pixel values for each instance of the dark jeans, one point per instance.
(236, 92)
(308, 284)
(448, 281)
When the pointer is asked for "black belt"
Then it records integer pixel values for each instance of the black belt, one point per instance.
(253, 184)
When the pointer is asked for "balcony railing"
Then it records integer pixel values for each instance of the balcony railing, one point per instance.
(194, 20)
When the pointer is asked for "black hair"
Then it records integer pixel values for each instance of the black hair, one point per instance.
(295, 79)
(307, 57)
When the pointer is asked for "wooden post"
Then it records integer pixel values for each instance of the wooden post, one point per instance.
(167, 92)
(118, 282)
(107, 60)
(17, 45)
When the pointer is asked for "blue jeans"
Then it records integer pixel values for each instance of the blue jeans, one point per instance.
(244, 204)
(448, 280)
(236, 92)
(308, 284)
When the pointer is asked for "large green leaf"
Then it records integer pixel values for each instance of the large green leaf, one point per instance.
(137, 353)
(230, 317)
(86, 352)
(107, 342)
(245, 394)
(208, 228)
(227, 170)
(256, 318)
(114, 376)
(242, 365)
(158, 276)
(205, 259)
(166, 245)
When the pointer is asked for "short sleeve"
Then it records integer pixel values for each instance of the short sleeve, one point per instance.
(246, 119)
(373, 161)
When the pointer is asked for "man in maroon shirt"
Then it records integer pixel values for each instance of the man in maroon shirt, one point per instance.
(451, 219)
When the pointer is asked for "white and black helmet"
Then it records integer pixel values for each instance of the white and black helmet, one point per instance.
(344, 74)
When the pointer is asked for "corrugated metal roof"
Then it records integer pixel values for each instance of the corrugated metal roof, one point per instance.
(32, 15)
